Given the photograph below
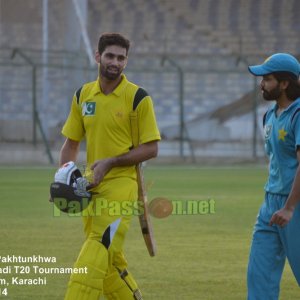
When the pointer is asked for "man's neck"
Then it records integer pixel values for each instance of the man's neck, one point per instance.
(108, 86)
(282, 104)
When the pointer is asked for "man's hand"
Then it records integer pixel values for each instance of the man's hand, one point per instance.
(282, 216)
(100, 168)
(134, 156)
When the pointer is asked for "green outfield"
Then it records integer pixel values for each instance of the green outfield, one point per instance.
(202, 253)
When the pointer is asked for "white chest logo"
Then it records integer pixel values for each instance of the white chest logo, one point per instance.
(267, 131)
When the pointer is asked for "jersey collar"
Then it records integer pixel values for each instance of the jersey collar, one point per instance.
(117, 91)
(295, 103)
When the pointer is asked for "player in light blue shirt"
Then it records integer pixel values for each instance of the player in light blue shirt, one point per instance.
(277, 229)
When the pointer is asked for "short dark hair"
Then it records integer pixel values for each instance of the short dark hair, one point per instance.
(110, 39)
(293, 90)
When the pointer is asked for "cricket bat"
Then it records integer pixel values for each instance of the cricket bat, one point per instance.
(144, 216)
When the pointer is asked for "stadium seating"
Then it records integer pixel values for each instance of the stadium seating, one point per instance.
(253, 26)
(158, 26)
(210, 41)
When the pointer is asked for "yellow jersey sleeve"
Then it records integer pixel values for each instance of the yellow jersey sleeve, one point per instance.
(148, 129)
(73, 127)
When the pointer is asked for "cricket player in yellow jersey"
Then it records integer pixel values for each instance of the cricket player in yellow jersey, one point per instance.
(100, 113)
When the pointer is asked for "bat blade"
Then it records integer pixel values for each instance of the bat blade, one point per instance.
(144, 216)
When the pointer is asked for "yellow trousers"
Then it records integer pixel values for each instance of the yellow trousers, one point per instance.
(106, 222)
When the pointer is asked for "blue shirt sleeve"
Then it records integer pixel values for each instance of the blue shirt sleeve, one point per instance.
(296, 127)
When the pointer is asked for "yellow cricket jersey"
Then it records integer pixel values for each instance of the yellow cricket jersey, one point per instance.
(104, 120)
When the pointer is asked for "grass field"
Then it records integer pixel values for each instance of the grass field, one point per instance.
(200, 256)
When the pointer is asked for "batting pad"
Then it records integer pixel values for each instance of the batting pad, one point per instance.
(89, 286)
(121, 286)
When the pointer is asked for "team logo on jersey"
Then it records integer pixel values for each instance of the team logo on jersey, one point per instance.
(268, 129)
(88, 108)
(119, 114)
(281, 134)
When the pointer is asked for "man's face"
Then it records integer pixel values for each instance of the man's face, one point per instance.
(270, 88)
(112, 62)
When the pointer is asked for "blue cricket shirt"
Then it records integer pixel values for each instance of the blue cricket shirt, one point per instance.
(282, 136)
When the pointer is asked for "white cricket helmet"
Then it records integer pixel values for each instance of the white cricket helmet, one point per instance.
(69, 189)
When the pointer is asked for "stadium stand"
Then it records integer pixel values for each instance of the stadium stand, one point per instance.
(151, 26)
(210, 41)
(253, 27)
(203, 26)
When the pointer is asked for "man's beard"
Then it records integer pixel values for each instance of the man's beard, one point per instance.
(272, 95)
(106, 73)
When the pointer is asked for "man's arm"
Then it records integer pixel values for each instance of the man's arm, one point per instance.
(69, 151)
(284, 215)
(136, 155)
